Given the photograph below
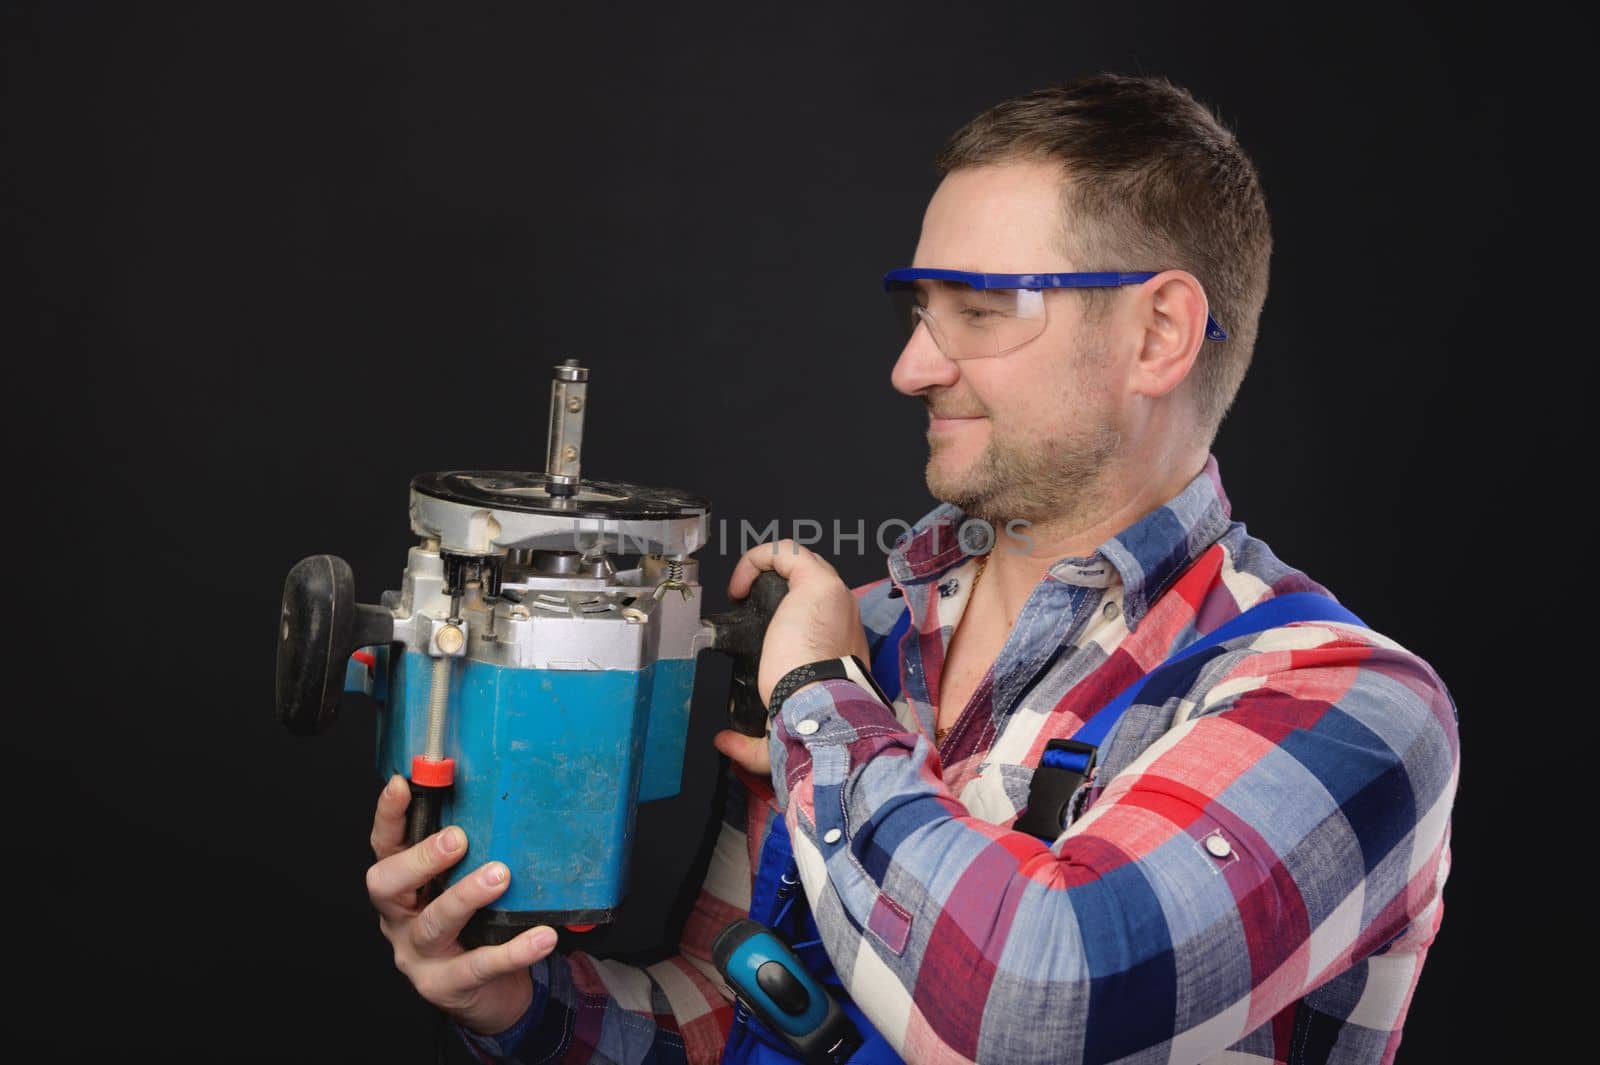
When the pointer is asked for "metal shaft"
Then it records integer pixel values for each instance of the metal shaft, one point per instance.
(568, 399)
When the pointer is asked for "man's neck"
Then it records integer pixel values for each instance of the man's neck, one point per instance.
(1124, 496)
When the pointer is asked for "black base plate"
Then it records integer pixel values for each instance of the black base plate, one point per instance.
(492, 927)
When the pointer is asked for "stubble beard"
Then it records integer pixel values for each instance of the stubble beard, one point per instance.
(1035, 481)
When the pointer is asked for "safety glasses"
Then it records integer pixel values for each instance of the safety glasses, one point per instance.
(975, 316)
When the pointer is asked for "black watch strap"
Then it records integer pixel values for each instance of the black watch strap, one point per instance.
(827, 669)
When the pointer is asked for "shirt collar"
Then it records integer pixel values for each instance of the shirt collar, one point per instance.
(1144, 558)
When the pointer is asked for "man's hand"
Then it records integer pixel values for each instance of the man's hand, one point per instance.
(485, 989)
(818, 619)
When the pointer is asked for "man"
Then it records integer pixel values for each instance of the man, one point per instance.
(1253, 871)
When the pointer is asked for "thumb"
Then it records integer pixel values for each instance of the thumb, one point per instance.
(747, 752)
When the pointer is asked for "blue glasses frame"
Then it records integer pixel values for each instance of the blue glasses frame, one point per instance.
(903, 278)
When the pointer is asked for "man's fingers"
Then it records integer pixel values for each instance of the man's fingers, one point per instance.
(778, 556)
(477, 967)
(749, 752)
(389, 823)
(392, 881)
(787, 557)
(441, 921)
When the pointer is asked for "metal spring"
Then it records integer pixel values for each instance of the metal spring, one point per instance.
(675, 570)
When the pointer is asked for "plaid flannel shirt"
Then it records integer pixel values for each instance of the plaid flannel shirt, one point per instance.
(1255, 873)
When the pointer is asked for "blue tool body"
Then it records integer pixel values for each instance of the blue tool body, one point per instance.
(550, 765)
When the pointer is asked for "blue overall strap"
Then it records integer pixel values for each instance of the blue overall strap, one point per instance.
(886, 661)
(1066, 763)
(1279, 610)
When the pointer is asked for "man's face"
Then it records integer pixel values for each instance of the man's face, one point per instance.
(1024, 435)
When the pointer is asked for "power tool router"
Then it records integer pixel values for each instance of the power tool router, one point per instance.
(532, 692)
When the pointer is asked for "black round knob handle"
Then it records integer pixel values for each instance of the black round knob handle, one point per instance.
(320, 626)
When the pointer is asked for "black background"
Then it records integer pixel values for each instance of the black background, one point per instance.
(276, 260)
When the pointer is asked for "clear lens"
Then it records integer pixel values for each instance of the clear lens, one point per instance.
(969, 323)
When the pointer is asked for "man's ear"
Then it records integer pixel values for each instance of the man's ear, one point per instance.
(1171, 308)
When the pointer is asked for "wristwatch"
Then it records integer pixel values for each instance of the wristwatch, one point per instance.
(847, 668)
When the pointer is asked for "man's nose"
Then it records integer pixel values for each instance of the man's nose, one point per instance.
(922, 365)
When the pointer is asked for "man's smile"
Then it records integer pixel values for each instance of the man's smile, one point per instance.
(938, 424)
(944, 419)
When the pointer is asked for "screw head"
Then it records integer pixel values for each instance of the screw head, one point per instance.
(450, 639)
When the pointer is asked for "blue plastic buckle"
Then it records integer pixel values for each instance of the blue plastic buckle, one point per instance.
(1069, 754)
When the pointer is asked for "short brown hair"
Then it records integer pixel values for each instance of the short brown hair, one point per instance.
(1154, 181)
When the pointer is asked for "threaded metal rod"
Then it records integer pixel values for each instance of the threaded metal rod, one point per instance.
(438, 700)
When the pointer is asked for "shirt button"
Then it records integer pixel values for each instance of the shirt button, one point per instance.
(807, 727)
(1112, 610)
(1218, 846)
(833, 835)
